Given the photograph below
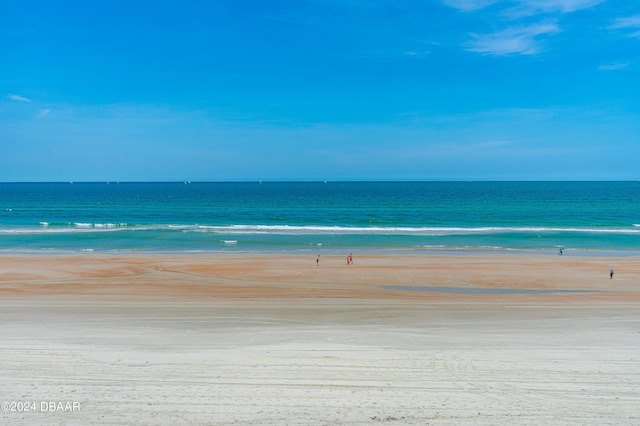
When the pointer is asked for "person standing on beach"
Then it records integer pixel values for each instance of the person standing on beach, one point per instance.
(318, 260)
(611, 273)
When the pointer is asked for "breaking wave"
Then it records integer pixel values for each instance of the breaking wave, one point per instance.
(84, 227)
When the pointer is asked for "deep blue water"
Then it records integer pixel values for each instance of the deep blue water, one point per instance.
(585, 217)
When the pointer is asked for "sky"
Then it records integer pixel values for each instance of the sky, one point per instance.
(229, 90)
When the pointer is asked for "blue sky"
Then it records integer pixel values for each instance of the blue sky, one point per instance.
(319, 89)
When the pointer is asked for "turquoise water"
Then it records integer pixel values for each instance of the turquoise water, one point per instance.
(585, 217)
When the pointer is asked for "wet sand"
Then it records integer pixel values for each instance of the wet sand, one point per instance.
(274, 339)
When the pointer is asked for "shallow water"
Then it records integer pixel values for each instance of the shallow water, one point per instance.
(477, 290)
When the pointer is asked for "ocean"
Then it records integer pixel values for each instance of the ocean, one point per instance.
(321, 217)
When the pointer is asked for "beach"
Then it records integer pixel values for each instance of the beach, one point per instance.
(441, 339)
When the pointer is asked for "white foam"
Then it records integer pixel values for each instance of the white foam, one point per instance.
(82, 227)
(424, 231)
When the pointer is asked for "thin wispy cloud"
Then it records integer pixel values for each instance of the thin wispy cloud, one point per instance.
(512, 41)
(469, 5)
(628, 23)
(19, 98)
(43, 113)
(416, 53)
(613, 67)
(525, 7)
(536, 7)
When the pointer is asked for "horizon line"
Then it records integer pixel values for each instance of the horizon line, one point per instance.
(260, 181)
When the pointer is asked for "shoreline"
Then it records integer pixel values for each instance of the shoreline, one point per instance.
(418, 251)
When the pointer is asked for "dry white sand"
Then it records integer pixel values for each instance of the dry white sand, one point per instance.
(202, 339)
